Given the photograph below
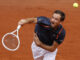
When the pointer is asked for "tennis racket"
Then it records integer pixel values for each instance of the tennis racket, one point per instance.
(10, 41)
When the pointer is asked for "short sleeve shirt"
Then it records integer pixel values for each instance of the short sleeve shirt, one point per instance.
(48, 35)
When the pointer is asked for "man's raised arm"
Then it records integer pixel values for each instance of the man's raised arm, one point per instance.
(28, 20)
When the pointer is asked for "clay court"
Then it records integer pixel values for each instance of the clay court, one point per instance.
(11, 11)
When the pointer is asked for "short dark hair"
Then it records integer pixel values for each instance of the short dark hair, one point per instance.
(61, 13)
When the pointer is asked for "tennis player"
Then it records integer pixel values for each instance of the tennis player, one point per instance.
(48, 35)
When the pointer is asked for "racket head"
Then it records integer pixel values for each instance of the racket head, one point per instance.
(13, 35)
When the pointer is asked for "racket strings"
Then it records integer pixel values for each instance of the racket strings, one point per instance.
(11, 41)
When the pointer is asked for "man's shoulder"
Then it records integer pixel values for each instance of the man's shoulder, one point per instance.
(61, 35)
(61, 31)
(42, 17)
(43, 20)
(62, 28)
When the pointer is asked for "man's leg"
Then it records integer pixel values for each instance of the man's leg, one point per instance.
(50, 55)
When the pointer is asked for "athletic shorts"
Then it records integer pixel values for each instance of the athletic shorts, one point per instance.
(42, 54)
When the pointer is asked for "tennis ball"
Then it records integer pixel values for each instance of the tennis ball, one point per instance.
(75, 5)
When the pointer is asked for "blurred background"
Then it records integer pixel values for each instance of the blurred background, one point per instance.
(11, 11)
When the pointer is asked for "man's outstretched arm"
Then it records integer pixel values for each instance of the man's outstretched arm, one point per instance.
(28, 20)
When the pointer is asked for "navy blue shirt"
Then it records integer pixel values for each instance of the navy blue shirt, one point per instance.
(48, 35)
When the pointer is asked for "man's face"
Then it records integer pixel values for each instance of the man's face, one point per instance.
(55, 20)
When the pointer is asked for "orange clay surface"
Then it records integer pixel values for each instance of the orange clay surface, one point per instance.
(11, 11)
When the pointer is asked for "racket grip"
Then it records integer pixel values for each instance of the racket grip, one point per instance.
(19, 26)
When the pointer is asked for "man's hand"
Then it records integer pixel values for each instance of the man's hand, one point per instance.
(36, 40)
(22, 22)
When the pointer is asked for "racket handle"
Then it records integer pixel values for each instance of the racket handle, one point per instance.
(19, 26)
